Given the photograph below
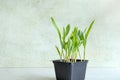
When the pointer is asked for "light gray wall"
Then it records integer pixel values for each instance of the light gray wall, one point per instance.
(27, 37)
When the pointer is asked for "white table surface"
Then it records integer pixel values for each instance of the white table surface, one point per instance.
(48, 74)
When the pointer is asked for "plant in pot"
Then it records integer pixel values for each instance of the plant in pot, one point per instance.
(69, 66)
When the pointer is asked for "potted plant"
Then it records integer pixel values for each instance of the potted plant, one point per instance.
(69, 66)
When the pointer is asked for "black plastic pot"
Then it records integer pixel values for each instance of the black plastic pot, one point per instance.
(69, 70)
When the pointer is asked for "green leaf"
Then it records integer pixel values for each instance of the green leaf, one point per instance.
(90, 27)
(74, 34)
(81, 35)
(85, 29)
(58, 31)
(58, 50)
(69, 45)
(64, 34)
(56, 27)
(67, 29)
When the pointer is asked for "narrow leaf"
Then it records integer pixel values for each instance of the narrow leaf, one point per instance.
(85, 29)
(58, 31)
(58, 51)
(56, 27)
(81, 35)
(67, 29)
(64, 34)
(90, 27)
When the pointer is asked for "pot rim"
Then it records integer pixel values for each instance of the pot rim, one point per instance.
(77, 61)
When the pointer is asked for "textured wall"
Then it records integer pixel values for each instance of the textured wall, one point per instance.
(27, 37)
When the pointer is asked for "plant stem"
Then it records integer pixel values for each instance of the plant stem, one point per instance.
(61, 58)
(80, 57)
(84, 53)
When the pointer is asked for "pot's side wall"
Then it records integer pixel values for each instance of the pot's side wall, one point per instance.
(79, 71)
(62, 71)
(71, 71)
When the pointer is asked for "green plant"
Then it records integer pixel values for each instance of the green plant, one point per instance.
(70, 44)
